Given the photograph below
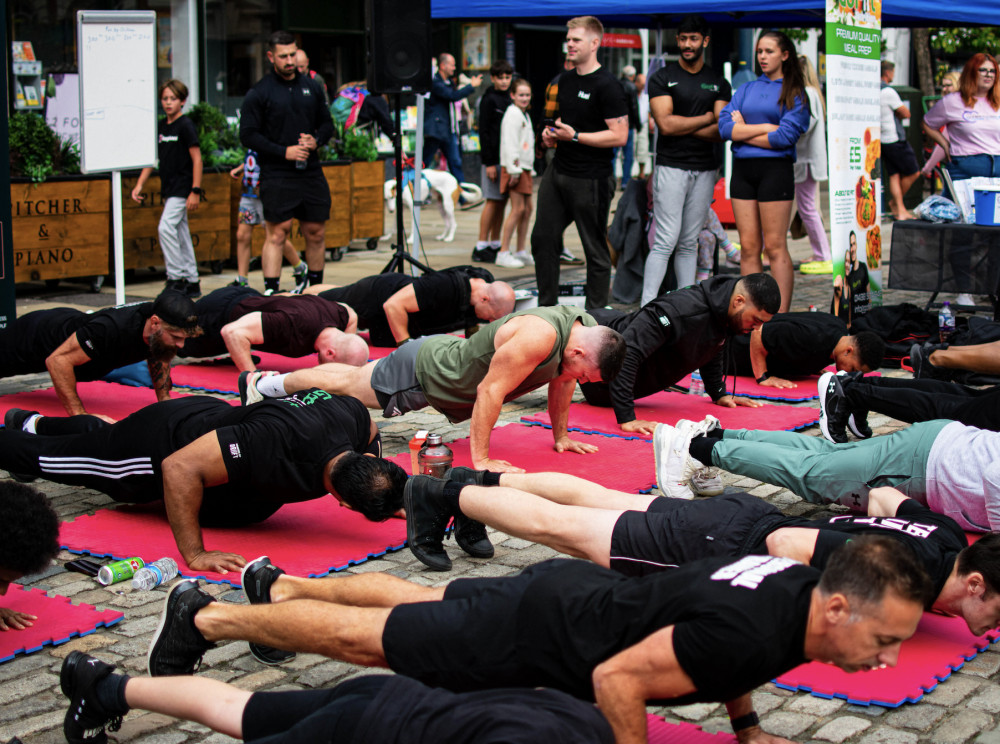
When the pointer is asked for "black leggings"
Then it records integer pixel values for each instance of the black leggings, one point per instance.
(926, 400)
(310, 716)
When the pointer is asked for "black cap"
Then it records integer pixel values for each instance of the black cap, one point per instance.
(176, 309)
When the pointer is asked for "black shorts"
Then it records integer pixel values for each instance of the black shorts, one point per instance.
(467, 641)
(762, 179)
(673, 532)
(899, 159)
(306, 197)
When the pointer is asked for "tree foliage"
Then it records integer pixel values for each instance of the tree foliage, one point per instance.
(967, 40)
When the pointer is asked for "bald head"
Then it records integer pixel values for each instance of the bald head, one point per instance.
(491, 300)
(333, 345)
(302, 62)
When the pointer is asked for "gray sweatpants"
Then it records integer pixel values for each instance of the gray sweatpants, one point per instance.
(681, 200)
(175, 240)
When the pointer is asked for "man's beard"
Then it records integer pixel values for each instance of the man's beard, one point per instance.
(159, 350)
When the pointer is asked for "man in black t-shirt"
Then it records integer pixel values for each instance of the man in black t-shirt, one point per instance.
(712, 630)
(639, 534)
(215, 464)
(237, 319)
(593, 119)
(851, 296)
(802, 344)
(397, 307)
(285, 121)
(685, 99)
(78, 347)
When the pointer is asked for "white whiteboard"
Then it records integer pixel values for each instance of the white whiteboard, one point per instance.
(117, 61)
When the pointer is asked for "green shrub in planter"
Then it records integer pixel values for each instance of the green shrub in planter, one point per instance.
(37, 152)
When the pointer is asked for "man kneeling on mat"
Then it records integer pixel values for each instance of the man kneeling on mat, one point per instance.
(29, 540)
(382, 709)
(639, 534)
(951, 468)
(213, 464)
(712, 630)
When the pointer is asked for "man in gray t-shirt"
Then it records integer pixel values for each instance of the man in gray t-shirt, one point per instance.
(951, 468)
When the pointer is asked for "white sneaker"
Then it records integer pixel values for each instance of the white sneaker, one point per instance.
(965, 299)
(525, 258)
(508, 260)
(707, 482)
(703, 427)
(674, 466)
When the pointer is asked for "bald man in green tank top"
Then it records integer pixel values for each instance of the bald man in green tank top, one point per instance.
(471, 379)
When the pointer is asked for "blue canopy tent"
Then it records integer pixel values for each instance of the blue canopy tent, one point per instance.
(653, 13)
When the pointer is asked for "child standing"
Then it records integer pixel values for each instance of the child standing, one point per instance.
(517, 154)
(252, 213)
(180, 188)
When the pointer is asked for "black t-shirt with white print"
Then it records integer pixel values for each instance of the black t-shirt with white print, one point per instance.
(174, 148)
(586, 102)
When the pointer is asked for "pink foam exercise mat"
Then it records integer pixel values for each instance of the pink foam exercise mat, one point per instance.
(109, 398)
(659, 731)
(58, 621)
(622, 464)
(940, 646)
(309, 538)
(668, 408)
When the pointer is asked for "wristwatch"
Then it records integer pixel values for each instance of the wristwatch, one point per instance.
(576, 137)
(762, 378)
(745, 722)
(198, 190)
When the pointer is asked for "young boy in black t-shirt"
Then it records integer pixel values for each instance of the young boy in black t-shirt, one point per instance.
(180, 187)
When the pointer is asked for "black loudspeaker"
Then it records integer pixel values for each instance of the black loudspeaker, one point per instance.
(399, 45)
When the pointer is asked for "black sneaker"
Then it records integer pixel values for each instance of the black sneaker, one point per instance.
(15, 417)
(920, 360)
(833, 408)
(301, 280)
(86, 720)
(857, 422)
(466, 476)
(485, 255)
(192, 289)
(257, 577)
(471, 537)
(177, 645)
(427, 516)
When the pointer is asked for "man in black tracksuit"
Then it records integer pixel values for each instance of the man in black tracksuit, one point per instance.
(285, 120)
(678, 333)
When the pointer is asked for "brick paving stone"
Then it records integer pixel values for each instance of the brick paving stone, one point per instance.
(987, 700)
(765, 702)
(988, 737)
(921, 716)
(695, 711)
(985, 665)
(841, 729)
(166, 737)
(953, 690)
(259, 679)
(885, 735)
(32, 724)
(815, 706)
(786, 724)
(961, 727)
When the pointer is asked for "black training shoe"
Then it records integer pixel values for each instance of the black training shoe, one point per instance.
(192, 289)
(257, 577)
(485, 255)
(857, 422)
(427, 516)
(177, 645)
(471, 537)
(834, 410)
(86, 719)
(920, 360)
(466, 476)
(14, 418)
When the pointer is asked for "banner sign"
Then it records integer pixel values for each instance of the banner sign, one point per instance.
(853, 77)
(622, 41)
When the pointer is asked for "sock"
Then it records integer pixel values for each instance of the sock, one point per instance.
(701, 449)
(243, 280)
(491, 478)
(272, 386)
(496, 244)
(110, 693)
(702, 275)
(481, 244)
(315, 277)
(30, 425)
(272, 284)
(732, 251)
(451, 492)
(302, 268)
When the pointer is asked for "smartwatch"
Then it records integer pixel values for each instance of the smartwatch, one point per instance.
(198, 190)
(576, 137)
(762, 378)
(745, 722)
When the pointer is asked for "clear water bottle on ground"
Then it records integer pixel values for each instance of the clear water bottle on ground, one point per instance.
(435, 457)
(697, 384)
(946, 322)
(153, 574)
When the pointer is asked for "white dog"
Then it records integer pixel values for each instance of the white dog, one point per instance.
(445, 190)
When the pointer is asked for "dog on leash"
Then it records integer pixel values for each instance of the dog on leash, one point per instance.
(445, 190)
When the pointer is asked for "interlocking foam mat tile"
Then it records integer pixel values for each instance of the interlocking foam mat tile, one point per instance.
(662, 732)
(940, 646)
(58, 621)
(748, 386)
(619, 463)
(109, 398)
(309, 538)
(668, 408)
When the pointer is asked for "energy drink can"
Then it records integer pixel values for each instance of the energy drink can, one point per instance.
(119, 571)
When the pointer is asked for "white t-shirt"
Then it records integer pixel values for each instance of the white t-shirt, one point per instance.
(890, 101)
(963, 476)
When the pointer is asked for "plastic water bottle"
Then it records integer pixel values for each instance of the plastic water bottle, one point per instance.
(300, 164)
(697, 385)
(435, 457)
(153, 574)
(946, 322)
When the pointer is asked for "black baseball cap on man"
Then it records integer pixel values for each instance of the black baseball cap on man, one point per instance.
(176, 309)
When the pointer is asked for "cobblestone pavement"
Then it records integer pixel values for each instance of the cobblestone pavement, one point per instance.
(964, 708)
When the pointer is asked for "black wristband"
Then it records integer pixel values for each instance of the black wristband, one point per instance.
(198, 190)
(762, 378)
(745, 722)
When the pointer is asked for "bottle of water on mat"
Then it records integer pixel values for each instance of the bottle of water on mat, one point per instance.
(697, 386)
(435, 457)
(946, 322)
(153, 574)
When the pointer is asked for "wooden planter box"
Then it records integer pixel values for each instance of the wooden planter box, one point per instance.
(209, 224)
(367, 199)
(338, 227)
(61, 228)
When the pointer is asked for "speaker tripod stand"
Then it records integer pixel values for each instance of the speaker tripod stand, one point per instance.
(401, 257)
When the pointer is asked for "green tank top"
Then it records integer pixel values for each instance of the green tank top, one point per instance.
(449, 369)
